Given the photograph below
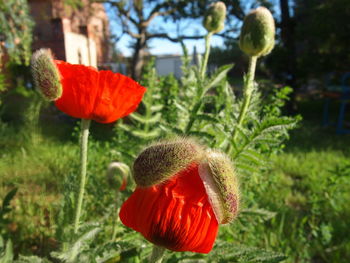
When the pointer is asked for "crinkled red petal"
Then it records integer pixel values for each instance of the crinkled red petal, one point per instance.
(175, 214)
(101, 96)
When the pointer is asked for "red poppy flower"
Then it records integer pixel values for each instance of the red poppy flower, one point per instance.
(182, 211)
(175, 214)
(102, 96)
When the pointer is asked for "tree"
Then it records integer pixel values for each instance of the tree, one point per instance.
(15, 31)
(136, 16)
(323, 33)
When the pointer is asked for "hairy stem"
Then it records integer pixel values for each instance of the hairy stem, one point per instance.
(157, 254)
(247, 94)
(206, 54)
(85, 124)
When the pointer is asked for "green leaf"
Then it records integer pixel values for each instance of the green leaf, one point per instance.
(229, 252)
(180, 107)
(202, 134)
(6, 255)
(208, 118)
(252, 156)
(156, 107)
(146, 135)
(219, 75)
(31, 259)
(70, 255)
(153, 119)
(9, 196)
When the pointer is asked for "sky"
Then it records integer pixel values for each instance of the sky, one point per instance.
(166, 47)
(163, 46)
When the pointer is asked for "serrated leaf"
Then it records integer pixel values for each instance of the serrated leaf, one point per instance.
(219, 75)
(252, 156)
(180, 107)
(207, 117)
(202, 134)
(156, 107)
(196, 107)
(143, 119)
(146, 135)
(247, 168)
(242, 134)
(74, 249)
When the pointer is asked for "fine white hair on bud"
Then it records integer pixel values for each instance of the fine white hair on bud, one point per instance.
(46, 75)
(214, 19)
(160, 161)
(258, 33)
(221, 184)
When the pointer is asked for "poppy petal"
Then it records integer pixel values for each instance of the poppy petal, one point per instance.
(79, 89)
(118, 97)
(101, 96)
(175, 214)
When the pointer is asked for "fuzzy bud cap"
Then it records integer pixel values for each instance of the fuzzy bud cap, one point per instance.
(160, 161)
(46, 75)
(258, 33)
(113, 176)
(221, 184)
(214, 19)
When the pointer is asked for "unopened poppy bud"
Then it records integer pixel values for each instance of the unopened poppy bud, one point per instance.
(46, 75)
(114, 178)
(164, 159)
(214, 19)
(192, 191)
(221, 184)
(258, 33)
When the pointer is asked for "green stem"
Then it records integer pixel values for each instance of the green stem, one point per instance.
(85, 124)
(200, 92)
(206, 54)
(157, 254)
(115, 221)
(247, 94)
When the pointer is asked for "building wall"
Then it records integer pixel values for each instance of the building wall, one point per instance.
(74, 35)
(48, 30)
(169, 64)
(80, 49)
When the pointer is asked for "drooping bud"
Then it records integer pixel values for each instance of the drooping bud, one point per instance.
(46, 75)
(214, 19)
(221, 184)
(258, 33)
(114, 178)
(162, 160)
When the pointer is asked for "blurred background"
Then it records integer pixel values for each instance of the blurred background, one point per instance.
(302, 196)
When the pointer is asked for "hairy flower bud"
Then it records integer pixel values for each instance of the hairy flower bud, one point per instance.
(162, 160)
(221, 184)
(214, 19)
(258, 33)
(183, 193)
(114, 178)
(46, 75)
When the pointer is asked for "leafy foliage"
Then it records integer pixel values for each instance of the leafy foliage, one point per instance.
(16, 25)
(205, 107)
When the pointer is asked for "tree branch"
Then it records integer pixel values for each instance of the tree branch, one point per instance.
(123, 12)
(173, 39)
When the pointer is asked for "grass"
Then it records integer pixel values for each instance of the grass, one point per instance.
(307, 188)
